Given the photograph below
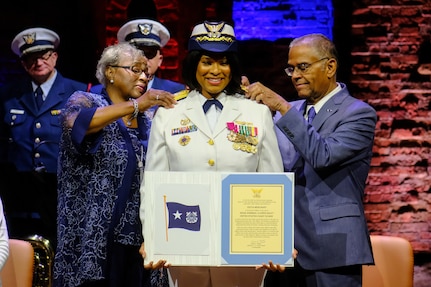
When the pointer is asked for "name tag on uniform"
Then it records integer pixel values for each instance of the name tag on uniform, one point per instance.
(17, 112)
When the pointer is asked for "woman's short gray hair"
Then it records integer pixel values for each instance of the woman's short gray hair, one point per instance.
(112, 55)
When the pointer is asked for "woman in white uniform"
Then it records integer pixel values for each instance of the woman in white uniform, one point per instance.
(215, 128)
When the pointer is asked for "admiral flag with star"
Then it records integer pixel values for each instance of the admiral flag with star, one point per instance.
(184, 216)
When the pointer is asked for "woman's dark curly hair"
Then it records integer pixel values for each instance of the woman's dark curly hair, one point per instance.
(190, 65)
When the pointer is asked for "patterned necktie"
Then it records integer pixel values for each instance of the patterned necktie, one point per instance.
(211, 102)
(39, 96)
(311, 114)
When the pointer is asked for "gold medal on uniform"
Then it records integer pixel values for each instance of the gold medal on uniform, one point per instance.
(243, 135)
(184, 140)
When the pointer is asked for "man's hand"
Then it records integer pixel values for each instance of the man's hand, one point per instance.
(276, 267)
(262, 94)
(272, 267)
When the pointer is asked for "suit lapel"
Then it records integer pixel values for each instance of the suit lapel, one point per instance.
(28, 100)
(328, 109)
(55, 96)
(296, 159)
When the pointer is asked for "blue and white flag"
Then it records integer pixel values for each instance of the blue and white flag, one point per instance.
(184, 216)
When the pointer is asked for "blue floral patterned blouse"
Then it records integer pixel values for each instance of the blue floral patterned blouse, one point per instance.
(98, 190)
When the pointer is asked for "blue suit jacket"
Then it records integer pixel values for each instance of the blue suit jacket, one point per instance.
(29, 137)
(331, 160)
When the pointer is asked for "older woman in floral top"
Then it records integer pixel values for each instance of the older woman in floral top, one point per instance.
(102, 154)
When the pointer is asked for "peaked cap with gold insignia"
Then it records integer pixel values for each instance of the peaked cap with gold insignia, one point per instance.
(213, 37)
(34, 40)
(144, 32)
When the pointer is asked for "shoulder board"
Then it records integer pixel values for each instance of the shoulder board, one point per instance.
(181, 95)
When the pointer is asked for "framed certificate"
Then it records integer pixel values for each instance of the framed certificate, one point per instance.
(218, 219)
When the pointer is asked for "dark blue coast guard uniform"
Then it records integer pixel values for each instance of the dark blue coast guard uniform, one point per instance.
(167, 85)
(32, 134)
(29, 136)
(29, 151)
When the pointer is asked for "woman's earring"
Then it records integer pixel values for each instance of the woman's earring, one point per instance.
(111, 81)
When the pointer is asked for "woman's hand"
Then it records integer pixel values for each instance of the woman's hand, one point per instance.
(154, 97)
(159, 264)
(151, 265)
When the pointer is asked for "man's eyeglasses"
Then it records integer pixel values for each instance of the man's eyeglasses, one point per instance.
(302, 67)
(136, 69)
(32, 58)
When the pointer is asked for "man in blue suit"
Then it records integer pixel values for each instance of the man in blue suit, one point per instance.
(326, 138)
(29, 135)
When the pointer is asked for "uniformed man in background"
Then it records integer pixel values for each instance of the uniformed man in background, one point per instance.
(29, 135)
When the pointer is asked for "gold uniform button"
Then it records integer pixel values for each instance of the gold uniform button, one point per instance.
(211, 142)
(37, 155)
(37, 140)
(14, 117)
(38, 125)
(211, 162)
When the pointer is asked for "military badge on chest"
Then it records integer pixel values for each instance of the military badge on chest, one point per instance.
(185, 128)
(243, 135)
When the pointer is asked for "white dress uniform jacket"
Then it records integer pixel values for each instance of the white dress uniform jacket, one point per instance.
(181, 138)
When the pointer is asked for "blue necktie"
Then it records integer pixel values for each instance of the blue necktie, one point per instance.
(311, 114)
(39, 96)
(211, 102)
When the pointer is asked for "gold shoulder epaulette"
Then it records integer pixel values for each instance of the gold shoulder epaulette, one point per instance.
(181, 95)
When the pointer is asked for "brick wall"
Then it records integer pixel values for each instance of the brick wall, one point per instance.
(389, 72)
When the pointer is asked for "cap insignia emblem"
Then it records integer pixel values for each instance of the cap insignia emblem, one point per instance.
(29, 38)
(214, 30)
(145, 29)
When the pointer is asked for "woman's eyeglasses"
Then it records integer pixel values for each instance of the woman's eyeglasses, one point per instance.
(136, 69)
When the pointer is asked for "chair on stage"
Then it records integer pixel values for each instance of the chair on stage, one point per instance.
(394, 265)
(18, 269)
